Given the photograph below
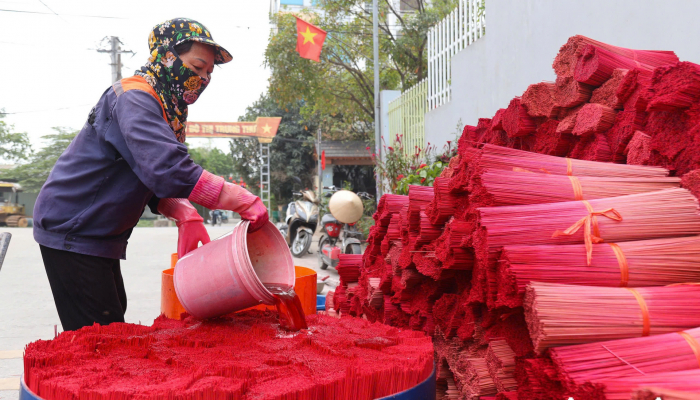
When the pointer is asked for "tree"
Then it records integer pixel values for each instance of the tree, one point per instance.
(14, 146)
(213, 160)
(33, 174)
(340, 89)
(291, 152)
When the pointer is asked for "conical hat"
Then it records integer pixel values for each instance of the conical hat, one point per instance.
(346, 206)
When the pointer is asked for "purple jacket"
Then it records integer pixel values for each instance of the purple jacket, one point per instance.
(125, 157)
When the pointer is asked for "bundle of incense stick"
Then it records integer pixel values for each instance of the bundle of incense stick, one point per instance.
(427, 230)
(349, 267)
(445, 202)
(479, 381)
(655, 393)
(657, 262)
(515, 188)
(581, 364)
(537, 377)
(674, 87)
(393, 233)
(419, 199)
(506, 396)
(569, 93)
(516, 121)
(448, 252)
(593, 118)
(620, 388)
(558, 314)
(538, 99)
(445, 384)
(606, 94)
(598, 61)
(388, 205)
(500, 360)
(661, 214)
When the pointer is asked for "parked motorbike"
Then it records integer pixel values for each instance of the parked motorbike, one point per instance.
(339, 233)
(300, 222)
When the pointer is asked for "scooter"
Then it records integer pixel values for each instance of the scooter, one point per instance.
(301, 221)
(338, 238)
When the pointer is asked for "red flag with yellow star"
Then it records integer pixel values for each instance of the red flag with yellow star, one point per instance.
(309, 40)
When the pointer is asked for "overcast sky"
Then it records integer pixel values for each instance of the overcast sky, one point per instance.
(49, 61)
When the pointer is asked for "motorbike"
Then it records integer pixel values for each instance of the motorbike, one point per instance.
(338, 237)
(300, 222)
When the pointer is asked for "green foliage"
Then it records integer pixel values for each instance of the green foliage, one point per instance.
(398, 162)
(291, 152)
(14, 146)
(423, 176)
(33, 174)
(340, 88)
(213, 160)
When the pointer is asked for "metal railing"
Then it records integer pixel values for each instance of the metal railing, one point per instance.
(407, 117)
(459, 29)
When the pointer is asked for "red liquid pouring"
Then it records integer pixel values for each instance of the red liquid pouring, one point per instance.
(289, 307)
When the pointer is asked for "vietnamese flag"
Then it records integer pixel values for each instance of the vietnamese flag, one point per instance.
(309, 40)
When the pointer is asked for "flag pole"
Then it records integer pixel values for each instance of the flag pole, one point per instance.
(377, 131)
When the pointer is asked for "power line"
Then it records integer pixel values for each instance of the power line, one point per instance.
(53, 13)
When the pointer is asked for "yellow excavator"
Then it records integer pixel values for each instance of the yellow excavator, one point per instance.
(11, 213)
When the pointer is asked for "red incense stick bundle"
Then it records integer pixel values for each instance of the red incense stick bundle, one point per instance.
(674, 87)
(500, 360)
(567, 120)
(633, 90)
(449, 249)
(517, 188)
(619, 136)
(507, 396)
(419, 199)
(559, 314)
(620, 388)
(538, 100)
(597, 63)
(516, 121)
(593, 118)
(593, 148)
(655, 393)
(427, 230)
(445, 202)
(691, 181)
(657, 262)
(349, 267)
(445, 385)
(388, 205)
(393, 233)
(479, 381)
(551, 142)
(639, 149)
(569, 93)
(497, 120)
(606, 94)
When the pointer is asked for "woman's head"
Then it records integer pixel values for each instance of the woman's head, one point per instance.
(182, 58)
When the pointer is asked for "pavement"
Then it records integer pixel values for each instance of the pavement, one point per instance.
(27, 310)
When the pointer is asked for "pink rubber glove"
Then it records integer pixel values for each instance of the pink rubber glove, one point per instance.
(190, 226)
(214, 193)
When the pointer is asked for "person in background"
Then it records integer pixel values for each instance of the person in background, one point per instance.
(131, 153)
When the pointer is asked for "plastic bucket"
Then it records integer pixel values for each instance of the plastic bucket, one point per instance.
(425, 390)
(229, 274)
(305, 289)
(320, 302)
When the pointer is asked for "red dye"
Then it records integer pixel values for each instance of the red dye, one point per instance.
(549, 141)
(638, 150)
(592, 148)
(619, 136)
(289, 308)
(516, 121)
(593, 118)
(674, 87)
(607, 93)
(241, 356)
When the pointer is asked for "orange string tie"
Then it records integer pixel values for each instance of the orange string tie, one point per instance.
(578, 189)
(693, 344)
(518, 169)
(590, 236)
(646, 323)
(569, 167)
(622, 261)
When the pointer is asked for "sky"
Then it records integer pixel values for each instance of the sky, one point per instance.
(52, 75)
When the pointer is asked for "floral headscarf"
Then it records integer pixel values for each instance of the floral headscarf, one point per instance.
(177, 85)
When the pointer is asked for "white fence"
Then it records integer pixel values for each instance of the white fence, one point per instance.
(459, 29)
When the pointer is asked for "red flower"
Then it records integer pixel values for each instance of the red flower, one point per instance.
(398, 178)
(391, 148)
(367, 147)
(422, 180)
(423, 165)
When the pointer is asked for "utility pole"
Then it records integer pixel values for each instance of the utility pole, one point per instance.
(320, 170)
(115, 53)
(377, 126)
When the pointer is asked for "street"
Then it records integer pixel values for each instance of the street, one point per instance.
(27, 311)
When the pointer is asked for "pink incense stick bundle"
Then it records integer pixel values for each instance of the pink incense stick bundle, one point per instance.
(654, 393)
(674, 87)
(569, 93)
(516, 121)
(620, 388)
(593, 118)
(639, 149)
(500, 360)
(657, 262)
(538, 100)
(560, 315)
(607, 93)
(596, 63)
(496, 157)
(517, 188)
(445, 203)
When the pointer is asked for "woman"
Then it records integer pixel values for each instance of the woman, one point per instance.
(130, 153)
